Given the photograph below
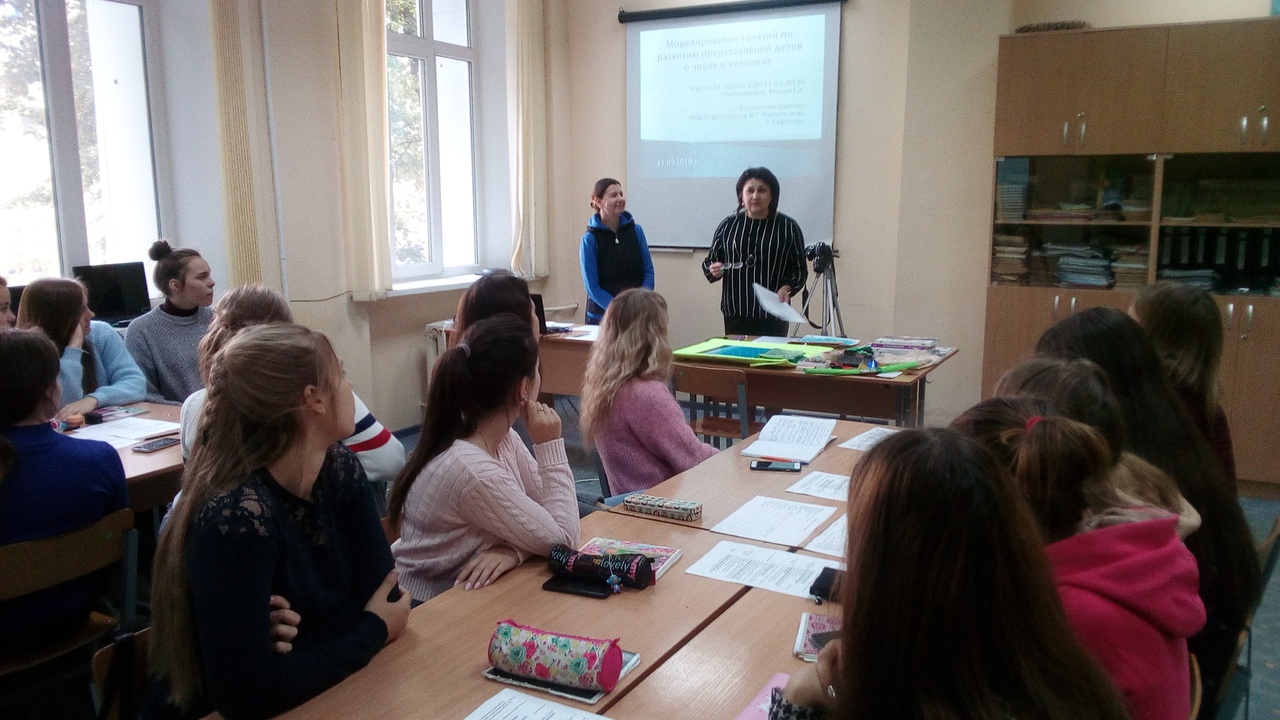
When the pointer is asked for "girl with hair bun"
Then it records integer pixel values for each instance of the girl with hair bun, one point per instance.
(96, 368)
(164, 341)
(273, 506)
(628, 412)
(473, 502)
(1130, 588)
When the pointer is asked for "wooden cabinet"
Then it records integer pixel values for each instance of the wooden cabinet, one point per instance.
(1222, 87)
(1250, 385)
(1090, 92)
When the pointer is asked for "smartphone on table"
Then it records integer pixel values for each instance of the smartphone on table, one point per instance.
(775, 465)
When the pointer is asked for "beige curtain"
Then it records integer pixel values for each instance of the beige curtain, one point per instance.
(527, 136)
(362, 57)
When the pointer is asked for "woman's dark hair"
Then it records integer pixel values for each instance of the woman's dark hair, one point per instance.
(55, 306)
(765, 176)
(493, 294)
(1186, 330)
(601, 187)
(1159, 430)
(1059, 463)
(950, 610)
(477, 377)
(171, 264)
(1075, 387)
(29, 366)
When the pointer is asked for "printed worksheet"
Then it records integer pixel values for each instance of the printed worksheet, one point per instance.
(775, 570)
(824, 485)
(783, 522)
(514, 705)
(869, 439)
(833, 539)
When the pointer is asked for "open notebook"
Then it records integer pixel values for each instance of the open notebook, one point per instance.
(790, 437)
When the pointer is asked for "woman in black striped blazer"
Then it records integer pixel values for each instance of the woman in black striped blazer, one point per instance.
(756, 244)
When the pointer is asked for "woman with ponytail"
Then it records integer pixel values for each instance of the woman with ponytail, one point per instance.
(50, 484)
(96, 368)
(473, 502)
(272, 506)
(164, 341)
(1129, 585)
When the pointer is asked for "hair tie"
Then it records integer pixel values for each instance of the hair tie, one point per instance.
(465, 348)
(1031, 421)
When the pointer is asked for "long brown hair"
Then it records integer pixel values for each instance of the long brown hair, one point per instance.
(949, 607)
(55, 306)
(29, 366)
(1186, 330)
(250, 419)
(477, 377)
(1063, 466)
(632, 344)
(243, 307)
(498, 292)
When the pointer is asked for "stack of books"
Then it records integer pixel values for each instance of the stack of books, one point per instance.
(1011, 201)
(904, 342)
(1009, 260)
(1084, 272)
(1129, 265)
(1203, 278)
(1065, 211)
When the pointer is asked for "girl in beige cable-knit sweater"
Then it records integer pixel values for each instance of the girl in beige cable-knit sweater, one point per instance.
(473, 502)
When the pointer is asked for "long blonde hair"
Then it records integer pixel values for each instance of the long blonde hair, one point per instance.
(632, 344)
(1185, 328)
(250, 418)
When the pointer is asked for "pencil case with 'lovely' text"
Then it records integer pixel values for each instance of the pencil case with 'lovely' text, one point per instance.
(663, 507)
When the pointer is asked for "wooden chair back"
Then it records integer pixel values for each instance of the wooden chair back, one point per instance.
(1197, 688)
(137, 674)
(27, 567)
(1268, 554)
(716, 386)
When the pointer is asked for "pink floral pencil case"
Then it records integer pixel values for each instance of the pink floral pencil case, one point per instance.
(569, 660)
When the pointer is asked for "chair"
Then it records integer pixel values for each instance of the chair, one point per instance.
(122, 694)
(28, 567)
(1233, 692)
(1197, 687)
(716, 386)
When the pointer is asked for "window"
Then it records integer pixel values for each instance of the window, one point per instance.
(79, 185)
(431, 63)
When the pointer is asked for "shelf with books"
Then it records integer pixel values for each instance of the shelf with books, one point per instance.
(1174, 222)
(1102, 223)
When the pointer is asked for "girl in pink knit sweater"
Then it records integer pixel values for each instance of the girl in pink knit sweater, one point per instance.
(627, 411)
(473, 502)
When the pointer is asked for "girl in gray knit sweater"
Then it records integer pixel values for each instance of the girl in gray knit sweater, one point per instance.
(164, 342)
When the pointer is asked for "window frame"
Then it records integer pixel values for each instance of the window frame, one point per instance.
(63, 136)
(425, 49)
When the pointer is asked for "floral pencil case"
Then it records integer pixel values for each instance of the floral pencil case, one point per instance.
(568, 660)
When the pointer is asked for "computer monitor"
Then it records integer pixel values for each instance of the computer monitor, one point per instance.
(15, 297)
(117, 292)
(540, 311)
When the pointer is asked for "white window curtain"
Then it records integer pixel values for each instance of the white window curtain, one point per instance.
(527, 136)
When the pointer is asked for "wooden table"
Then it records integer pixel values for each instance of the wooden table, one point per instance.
(723, 482)
(719, 671)
(153, 477)
(563, 361)
(434, 668)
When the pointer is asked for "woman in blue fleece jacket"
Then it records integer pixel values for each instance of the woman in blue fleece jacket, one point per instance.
(614, 252)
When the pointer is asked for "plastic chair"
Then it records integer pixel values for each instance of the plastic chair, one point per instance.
(121, 687)
(28, 567)
(716, 386)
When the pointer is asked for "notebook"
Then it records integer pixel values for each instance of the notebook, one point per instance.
(790, 437)
(662, 557)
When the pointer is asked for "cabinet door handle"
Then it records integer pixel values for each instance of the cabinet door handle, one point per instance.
(1248, 319)
(1083, 126)
(1244, 128)
(1073, 306)
(1231, 316)
(1264, 122)
(1056, 298)
(1066, 128)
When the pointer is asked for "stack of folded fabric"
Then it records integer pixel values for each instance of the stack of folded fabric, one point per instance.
(1009, 260)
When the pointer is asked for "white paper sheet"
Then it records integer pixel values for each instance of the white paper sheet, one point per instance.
(824, 485)
(833, 539)
(869, 439)
(775, 570)
(783, 522)
(126, 431)
(770, 303)
(584, 332)
(511, 704)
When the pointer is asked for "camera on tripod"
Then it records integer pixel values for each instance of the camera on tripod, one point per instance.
(820, 255)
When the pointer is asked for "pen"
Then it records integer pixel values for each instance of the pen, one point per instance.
(775, 459)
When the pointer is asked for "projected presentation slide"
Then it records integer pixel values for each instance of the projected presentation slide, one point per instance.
(755, 80)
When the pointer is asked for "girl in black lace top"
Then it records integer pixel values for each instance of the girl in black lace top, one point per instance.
(272, 506)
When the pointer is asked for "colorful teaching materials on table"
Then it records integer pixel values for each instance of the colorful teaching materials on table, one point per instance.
(673, 508)
(815, 631)
(745, 352)
(776, 570)
(662, 557)
(833, 539)
(774, 520)
(579, 668)
(791, 437)
(830, 486)
(868, 439)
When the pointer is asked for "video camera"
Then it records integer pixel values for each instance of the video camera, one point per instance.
(820, 255)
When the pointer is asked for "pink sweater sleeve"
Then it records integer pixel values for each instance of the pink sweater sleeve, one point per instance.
(533, 511)
(658, 423)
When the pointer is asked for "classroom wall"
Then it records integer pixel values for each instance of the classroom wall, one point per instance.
(1110, 13)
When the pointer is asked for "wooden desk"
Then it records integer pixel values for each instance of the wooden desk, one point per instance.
(153, 477)
(563, 363)
(433, 669)
(721, 669)
(723, 482)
